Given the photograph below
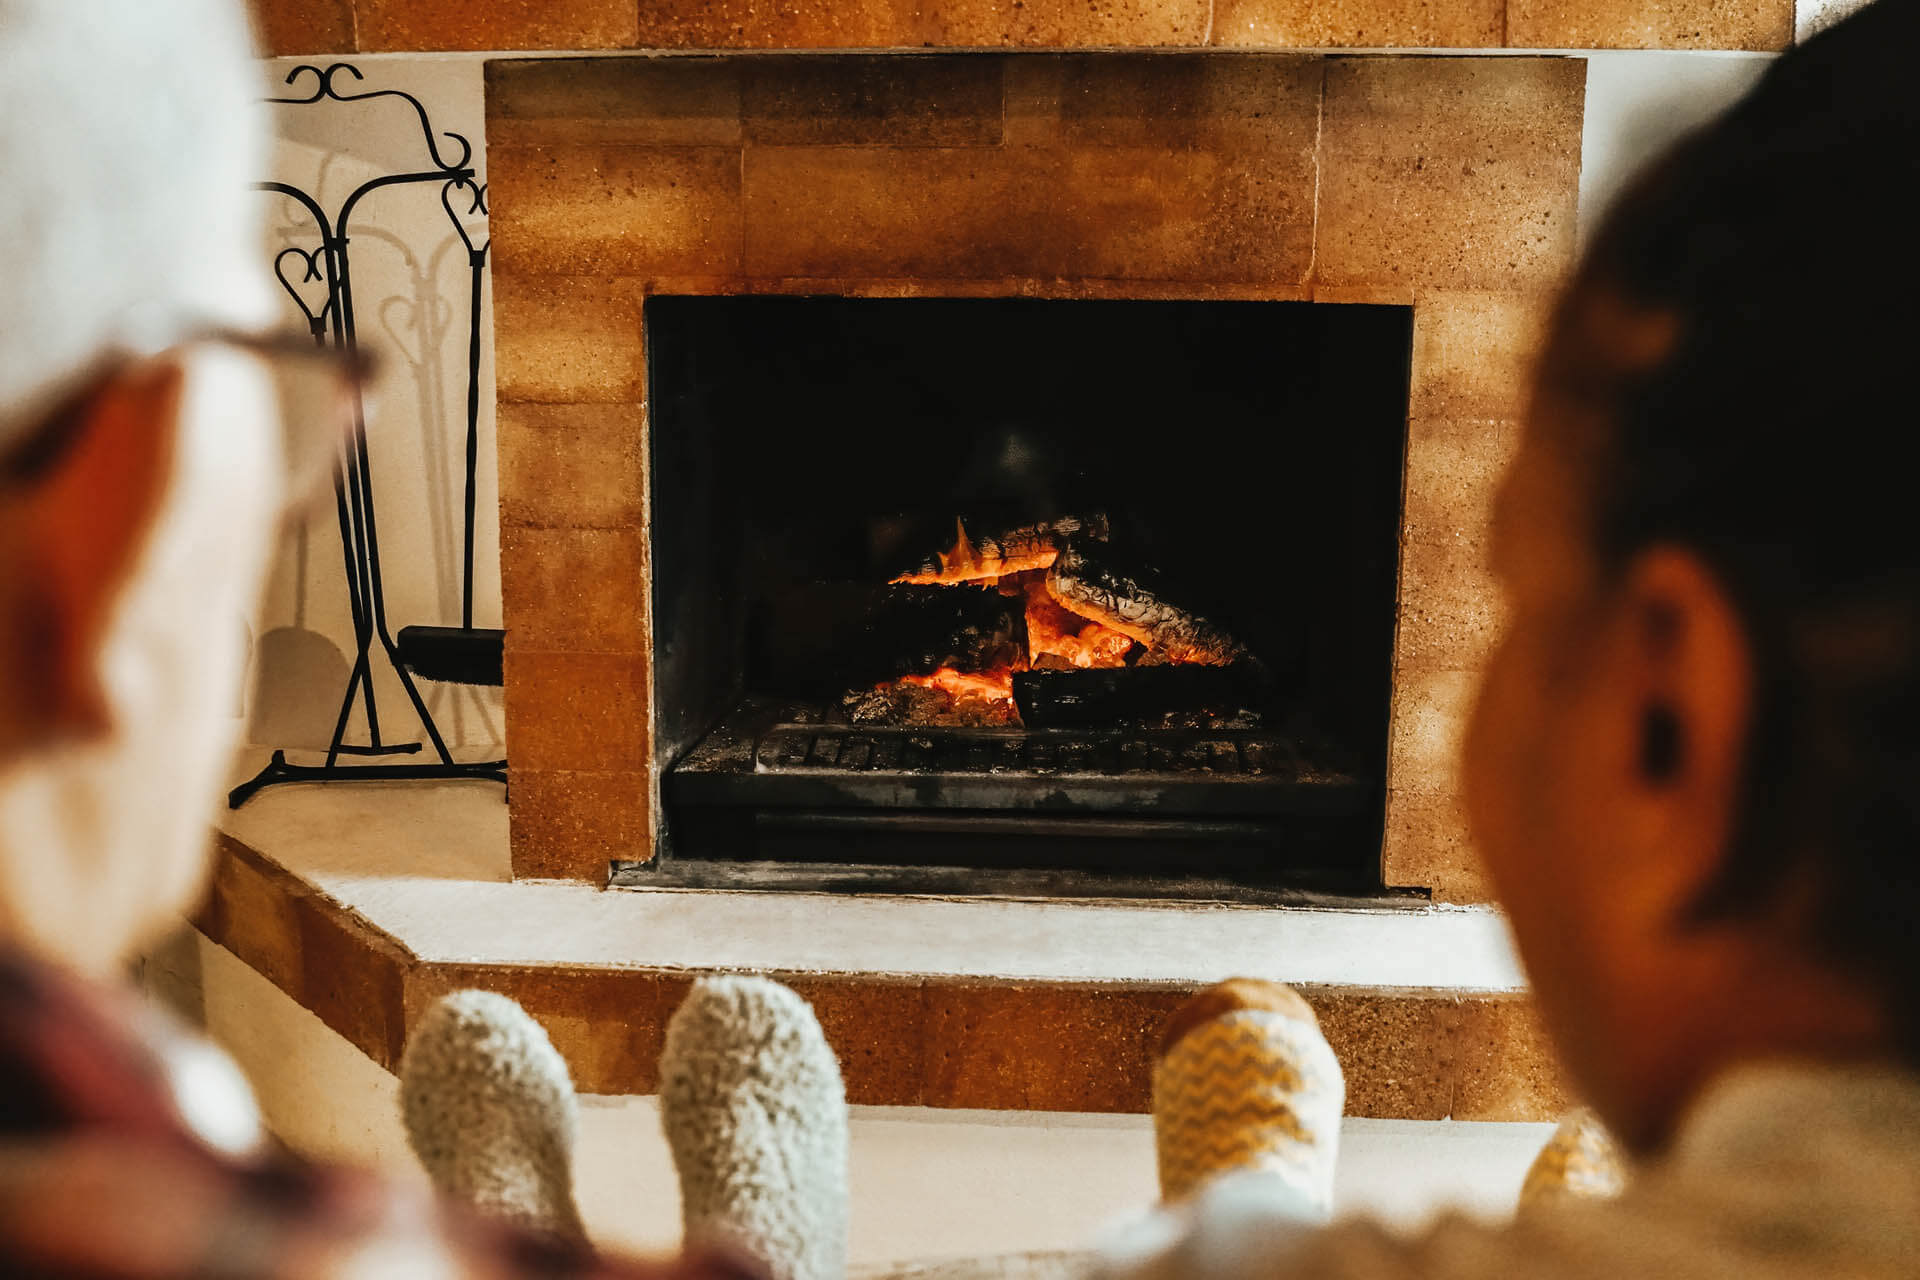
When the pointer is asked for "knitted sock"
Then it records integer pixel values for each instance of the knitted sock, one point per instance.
(1579, 1162)
(490, 1111)
(755, 1113)
(1247, 1084)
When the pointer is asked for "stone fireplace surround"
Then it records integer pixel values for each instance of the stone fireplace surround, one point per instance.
(1448, 184)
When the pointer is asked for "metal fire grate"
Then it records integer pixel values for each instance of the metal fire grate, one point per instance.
(785, 763)
(811, 747)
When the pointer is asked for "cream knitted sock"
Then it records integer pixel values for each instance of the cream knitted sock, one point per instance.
(1247, 1084)
(754, 1110)
(490, 1111)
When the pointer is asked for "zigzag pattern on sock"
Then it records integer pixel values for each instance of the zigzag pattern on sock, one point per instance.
(1252, 1090)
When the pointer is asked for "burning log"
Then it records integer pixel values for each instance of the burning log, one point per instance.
(1080, 582)
(1021, 550)
(1141, 696)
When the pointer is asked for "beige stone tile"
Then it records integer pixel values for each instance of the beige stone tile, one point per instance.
(284, 27)
(1428, 846)
(583, 712)
(1473, 352)
(1330, 24)
(892, 99)
(878, 1032)
(569, 824)
(1043, 1048)
(1430, 710)
(1451, 610)
(1650, 24)
(1508, 1068)
(608, 1025)
(1063, 24)
(801, 24)
(352, 978)
(575, 590)
(1140, 213)
(572, 466)
(675, 102)
(1449, 172)
(1382, 295)
(619, 210)
(1397, 1051)
(1263, 108)
(1192, 216)
(566, 339)
(248, 908)
(876, 211)
(1450, 604)
(406, 25)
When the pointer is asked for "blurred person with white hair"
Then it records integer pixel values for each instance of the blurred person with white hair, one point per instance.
(152, 438)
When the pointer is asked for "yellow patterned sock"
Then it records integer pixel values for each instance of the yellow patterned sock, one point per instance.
(1247, 1084)
(1580, 1162)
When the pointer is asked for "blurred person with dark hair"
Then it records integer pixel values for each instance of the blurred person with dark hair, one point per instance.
(1694, 768)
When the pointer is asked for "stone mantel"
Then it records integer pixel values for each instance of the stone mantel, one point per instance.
(388, 26)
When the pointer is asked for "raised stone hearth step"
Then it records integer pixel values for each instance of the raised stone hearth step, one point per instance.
(365, 903)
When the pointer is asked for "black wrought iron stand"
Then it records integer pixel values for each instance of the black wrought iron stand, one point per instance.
(333, 322)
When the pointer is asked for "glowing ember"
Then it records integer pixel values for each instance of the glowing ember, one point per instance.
(1058, 632)
(988, 686)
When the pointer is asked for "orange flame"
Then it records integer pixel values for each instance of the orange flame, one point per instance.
(988, 686)
(985, 564)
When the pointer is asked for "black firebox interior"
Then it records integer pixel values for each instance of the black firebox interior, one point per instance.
(1247, 456)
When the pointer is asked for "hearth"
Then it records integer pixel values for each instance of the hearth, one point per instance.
(1099, 589)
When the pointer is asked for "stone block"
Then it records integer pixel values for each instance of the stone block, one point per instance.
(568, 824)
(1363, 24)
(1429, 846)
(583, 209)
(566, 466)
(894, 100)
(1649, 24)
(671, 102)
(566, 340)
(1450, 172)
(577, 712)
(284, 28)
(387, 26)
(575, 590)
(1430, 711)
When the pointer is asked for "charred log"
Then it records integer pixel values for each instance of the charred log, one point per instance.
(1135, 606)
(1146, 697)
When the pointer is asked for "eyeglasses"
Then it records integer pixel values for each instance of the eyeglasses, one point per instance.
(318, 391)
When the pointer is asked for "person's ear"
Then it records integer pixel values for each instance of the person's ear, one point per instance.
(1692, 683)
(72, 534)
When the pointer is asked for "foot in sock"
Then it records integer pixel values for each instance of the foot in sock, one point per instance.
(756, 1116)
(1246, 1084)
(1580, 1162)
(490, 1111)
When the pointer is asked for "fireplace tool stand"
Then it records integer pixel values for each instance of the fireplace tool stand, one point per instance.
(333, 323)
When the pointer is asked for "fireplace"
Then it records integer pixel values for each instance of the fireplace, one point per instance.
(1269, 191)
(956, 589)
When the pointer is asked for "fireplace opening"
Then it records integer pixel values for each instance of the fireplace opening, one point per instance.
(980, 593)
